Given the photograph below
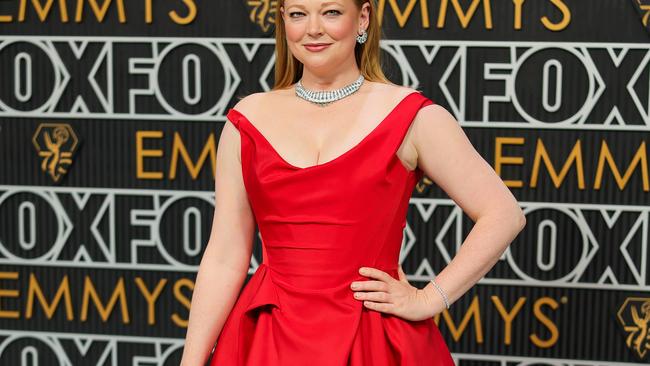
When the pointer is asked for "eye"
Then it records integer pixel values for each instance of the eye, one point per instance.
(294, 12)
(336, 12)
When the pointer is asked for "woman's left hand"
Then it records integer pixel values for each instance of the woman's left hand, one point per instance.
(396, 297)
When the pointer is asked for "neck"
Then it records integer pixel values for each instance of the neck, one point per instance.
(314, 79)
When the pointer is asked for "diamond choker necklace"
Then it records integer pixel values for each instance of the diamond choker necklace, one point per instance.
(325, 97)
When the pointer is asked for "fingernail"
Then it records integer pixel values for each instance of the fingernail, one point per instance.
(361, 270)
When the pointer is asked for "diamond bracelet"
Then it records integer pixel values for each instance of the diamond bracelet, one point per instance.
(444, 296)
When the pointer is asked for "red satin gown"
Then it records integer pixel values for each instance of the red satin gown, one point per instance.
(318, 225)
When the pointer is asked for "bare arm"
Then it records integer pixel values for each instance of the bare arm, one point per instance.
(446, 155)
(226, 259)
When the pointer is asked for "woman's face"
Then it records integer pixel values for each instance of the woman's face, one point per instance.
(334, 23)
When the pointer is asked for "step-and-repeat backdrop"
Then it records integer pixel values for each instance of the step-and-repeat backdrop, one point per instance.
(110, 111)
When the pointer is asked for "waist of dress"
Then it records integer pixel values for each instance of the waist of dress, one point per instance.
(315, 272)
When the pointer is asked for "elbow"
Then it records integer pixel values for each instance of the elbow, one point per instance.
(515, 219)
(520, 219)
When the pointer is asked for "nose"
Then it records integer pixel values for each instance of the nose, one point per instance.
(314, 28)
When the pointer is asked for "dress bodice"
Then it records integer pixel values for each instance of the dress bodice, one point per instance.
(318, 225)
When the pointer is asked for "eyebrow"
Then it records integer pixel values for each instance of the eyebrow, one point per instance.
(322, 5)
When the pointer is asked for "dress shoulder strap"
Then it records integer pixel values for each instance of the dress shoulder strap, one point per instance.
(406, 116)
(233, 117)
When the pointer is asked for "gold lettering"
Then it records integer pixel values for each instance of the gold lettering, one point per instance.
(465, 17)
(178, 147)
(473, 312)
(150, 297)
(518, 5)
(508, 316)
(639, 158)
(100, 13)
(546, 321)
(9, 314)
(4, 18)
(500, 160)
(62, 292)
(43, 10)
(184, 300)
(402, 17)
(566, 17)
(574, 156)
(104, 311)
(141, 153)
(148, 17)
(191, 13)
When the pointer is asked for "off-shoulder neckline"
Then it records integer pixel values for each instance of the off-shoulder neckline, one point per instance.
(337, 158)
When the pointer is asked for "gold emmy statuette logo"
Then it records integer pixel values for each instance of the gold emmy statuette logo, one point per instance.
(634, 316)
(262, 13)
(55, 143)
(643, 6)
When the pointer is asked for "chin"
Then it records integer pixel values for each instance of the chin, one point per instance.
(319, 65)
(313, 63)
(318, 60)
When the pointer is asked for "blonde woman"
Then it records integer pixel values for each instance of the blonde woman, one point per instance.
(325, 164)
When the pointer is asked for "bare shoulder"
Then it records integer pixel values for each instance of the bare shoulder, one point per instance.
(390, 91)
(432, 121)
(260, 100)
(434, 113)
(431, 112)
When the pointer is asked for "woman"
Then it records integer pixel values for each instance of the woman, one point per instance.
(327, 178)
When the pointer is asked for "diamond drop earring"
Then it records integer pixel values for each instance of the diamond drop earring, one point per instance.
(363, 37)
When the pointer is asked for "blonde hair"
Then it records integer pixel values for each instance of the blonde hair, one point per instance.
(288, 69)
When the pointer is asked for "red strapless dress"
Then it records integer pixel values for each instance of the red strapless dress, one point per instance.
(318, 225)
